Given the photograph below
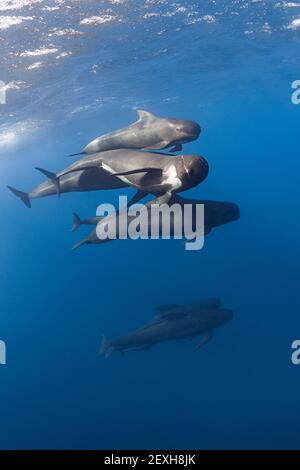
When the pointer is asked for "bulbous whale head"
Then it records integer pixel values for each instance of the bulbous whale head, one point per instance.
(219, 213)
(214, 317)
(194, 170)
(187, 130)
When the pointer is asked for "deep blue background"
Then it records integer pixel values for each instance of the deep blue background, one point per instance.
(241, 390)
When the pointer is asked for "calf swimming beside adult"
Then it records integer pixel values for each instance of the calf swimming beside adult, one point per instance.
(150, 132)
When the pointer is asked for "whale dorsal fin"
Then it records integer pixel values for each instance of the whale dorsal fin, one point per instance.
(166, 307)
(209, 304)
(143, 115)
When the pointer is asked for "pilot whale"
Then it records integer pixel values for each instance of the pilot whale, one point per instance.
(172, 324)
(216, 213)
(148, 172)
(150, 132)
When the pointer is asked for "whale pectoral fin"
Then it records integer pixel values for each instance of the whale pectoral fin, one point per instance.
(52, 176)
(164, 199)
(79, 244)
(150, 173)
(76, 154)
(206, 337)
(136, 197)
(176, 148)
(159, 145)
(105, 348)
(166, 153)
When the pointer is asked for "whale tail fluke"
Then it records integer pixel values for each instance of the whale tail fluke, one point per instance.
(76, 222)
(105, 347)
(23, 196)
(52, 176)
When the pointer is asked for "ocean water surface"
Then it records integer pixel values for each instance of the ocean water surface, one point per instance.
(74, 70)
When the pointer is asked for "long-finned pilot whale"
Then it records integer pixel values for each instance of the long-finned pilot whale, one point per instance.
(148, 172)
(150, 132)
(172, 323)
(216, 213)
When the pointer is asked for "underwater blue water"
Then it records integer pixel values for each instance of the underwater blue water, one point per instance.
(74, 71)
